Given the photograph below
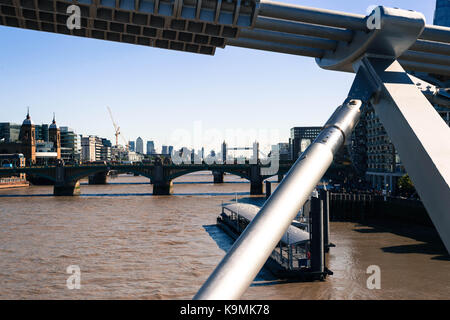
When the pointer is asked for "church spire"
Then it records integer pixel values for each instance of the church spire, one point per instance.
(27, 120)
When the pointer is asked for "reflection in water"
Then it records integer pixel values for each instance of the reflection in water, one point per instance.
(26, 195)
(131, 245)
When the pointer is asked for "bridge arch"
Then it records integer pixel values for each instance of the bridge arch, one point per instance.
(40, 174)
(187, 171)
(5, 161)
(14, 161)
(88, 172)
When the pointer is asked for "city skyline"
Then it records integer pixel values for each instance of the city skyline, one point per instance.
(67, 128)
(143, 144)
(48, 73)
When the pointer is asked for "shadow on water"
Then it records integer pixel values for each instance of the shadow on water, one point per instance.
(213, 194)
(26, 195)
(424, 248)
(369, 230)
(255, 200)
(225, 242)
(431, 241)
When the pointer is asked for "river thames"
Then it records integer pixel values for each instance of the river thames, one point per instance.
(129, 244)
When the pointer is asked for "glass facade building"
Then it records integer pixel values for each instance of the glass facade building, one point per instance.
(41, 132)
(301, 138)
(442, 13)
(139, 145)
(9, 132)
(150, 148)
(70, 145)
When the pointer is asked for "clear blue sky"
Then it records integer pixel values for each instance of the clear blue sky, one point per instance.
(160, 94)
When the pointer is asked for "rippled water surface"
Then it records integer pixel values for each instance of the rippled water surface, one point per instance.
(132, 245)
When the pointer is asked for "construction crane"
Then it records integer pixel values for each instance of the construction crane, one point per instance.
(116, 130)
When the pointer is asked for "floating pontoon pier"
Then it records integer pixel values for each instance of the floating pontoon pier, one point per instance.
(291, 259)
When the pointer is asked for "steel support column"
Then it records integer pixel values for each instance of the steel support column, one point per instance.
(317, 236)
(418, 133)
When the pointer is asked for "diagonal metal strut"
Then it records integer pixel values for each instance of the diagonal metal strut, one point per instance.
(419, 134)
(241, 264)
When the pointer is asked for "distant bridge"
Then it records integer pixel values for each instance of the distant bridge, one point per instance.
(66, 177)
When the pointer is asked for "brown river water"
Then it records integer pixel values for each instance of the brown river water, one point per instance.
(129, 244)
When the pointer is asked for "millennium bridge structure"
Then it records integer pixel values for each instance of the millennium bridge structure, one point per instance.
(381, 49)
(66, 178)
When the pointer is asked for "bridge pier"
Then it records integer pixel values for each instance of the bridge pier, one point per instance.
(268, 189)
(71, 188)
(218, 176)
(98, 178)
(163, 188)
(256, 180)
(256, 188)
(161, 185)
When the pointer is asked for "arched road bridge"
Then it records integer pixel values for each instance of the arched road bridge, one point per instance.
(378, 48)
(66, 178)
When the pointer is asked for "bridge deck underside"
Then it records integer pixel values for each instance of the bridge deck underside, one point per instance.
(162, 24)
(201, 26)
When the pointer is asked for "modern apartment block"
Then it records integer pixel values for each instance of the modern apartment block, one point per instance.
(301, 138)
(9, 132)
(105, 150)
(41, 132)
(88, 149)
(70, 145)
(375, 156)
(94, 148)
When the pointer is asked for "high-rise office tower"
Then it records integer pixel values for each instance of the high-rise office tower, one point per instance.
(140, 145)
(150, 147)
